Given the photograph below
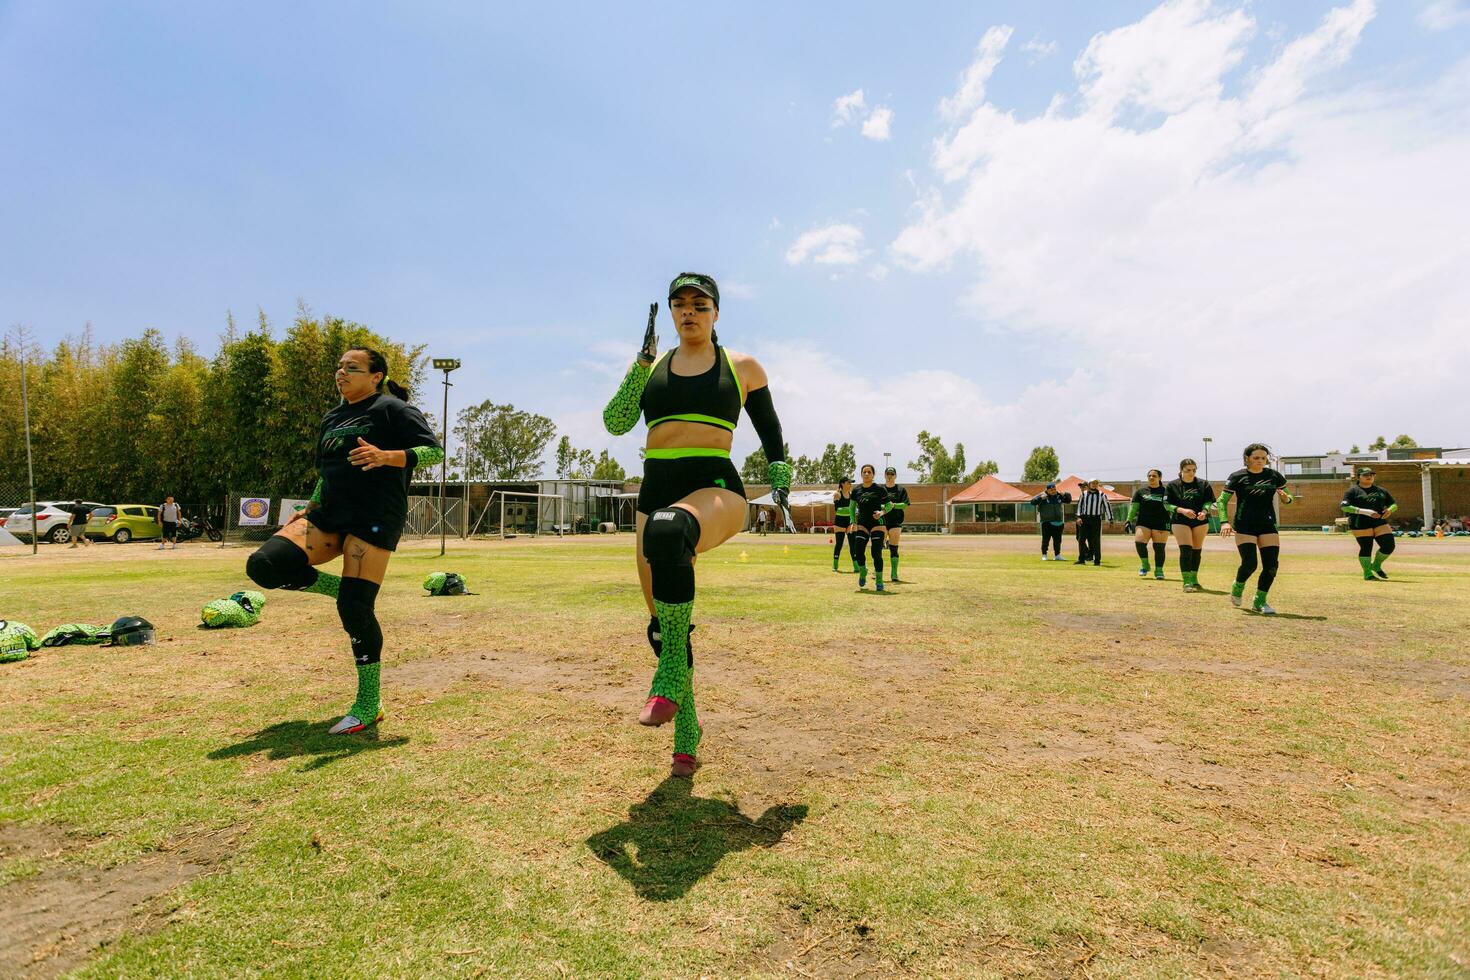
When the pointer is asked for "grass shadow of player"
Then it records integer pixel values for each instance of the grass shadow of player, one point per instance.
(875, 594)
(290, 739)
(673, 838)
(1282, 615)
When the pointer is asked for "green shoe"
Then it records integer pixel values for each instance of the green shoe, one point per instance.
(1159, 574)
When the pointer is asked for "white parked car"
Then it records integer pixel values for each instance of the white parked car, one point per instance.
(52, 520)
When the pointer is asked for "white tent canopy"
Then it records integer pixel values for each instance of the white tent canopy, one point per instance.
(6, 538)
(799, 498)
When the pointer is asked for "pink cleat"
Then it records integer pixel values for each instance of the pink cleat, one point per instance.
(658, 711)
(684, 766)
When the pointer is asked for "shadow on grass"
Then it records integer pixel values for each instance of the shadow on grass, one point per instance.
(1282, 615)
(308, 738)
(673, 839)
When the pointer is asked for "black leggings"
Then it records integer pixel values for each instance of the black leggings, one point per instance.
(877, 545)
(1051, 533)
(1270, 561)
(837, 548)
(857, 543)
(1385, 545)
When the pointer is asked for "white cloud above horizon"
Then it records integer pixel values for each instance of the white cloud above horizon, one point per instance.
(832, 244)
(1444, 15)
(879, 125)
(852, 108)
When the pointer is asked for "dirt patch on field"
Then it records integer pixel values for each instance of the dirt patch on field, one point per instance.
(1436, 676)
(51, 922)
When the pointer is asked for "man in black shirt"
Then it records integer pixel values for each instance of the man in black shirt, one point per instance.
(77, 526)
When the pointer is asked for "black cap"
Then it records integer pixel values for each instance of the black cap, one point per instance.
(890, 470)
(1051, 486)
(696, 280)
(1365, 471)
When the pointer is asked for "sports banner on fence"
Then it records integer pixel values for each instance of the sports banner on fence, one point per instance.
(254, 510)
(289, 509)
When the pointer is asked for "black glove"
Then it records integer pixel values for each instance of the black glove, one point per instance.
(649, 351)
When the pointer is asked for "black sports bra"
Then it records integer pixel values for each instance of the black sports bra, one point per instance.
(712, 398)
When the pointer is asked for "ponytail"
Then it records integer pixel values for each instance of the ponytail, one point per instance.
(378, 364)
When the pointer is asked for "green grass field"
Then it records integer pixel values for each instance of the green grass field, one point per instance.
(1003, 767)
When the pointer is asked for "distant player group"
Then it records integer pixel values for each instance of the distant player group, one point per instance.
(869, 515)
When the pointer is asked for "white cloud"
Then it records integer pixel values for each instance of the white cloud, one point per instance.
(877, 125)
(1443, 15)
(737, 289)
(848, 108)
(1182, 201)
(972, 86)
(834, 244)
(1038, 49)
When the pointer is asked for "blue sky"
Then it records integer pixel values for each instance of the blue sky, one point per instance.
(1072, 253)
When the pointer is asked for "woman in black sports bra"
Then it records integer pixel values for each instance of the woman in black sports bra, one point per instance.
(842, 519)
(691, 499)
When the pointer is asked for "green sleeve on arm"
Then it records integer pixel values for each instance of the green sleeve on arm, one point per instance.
(1169, 507)
(1391, 509)
(1349, 509)
(316, 493)
(621, 414)
(424, 456)
(1133, 511)
(1222, 505)
(902, 506)
(779, 475)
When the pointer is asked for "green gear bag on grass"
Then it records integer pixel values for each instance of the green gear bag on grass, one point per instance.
(76, 634)
(241, 609)
(445, 583)
(17, 640)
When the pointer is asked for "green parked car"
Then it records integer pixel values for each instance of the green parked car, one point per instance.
(125, 522)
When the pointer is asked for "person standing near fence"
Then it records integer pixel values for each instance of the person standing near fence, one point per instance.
(366, 452)
(692, 499)
(1092, 509)
(77, 525)
(1051, 515)
(168, 520)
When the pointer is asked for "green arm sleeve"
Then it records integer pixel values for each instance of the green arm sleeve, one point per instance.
(1222, 505)
(316, 494)
(1349, 509)
(621, 414)
(1391, 509)
(424, 456)
(779, 475)
(901, 506)
(1133, 511)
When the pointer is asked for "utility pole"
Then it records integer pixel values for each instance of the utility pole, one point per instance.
(1208, 440)
(445, 364)
(25, 403)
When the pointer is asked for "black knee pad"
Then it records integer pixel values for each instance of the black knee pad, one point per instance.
(279, 564)
(1270, 558)
(670, 537)
(356, 599)
(1247, 561)
(1365, 547)
(1385, 544)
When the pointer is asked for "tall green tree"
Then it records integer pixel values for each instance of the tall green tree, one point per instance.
(1042, 466)
(503, 442)
(573, 463)
(754, 469)
(837, 462)
(608, 468)
(936, 464)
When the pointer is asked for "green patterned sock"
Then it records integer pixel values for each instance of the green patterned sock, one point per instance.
(326, 584)
(893, 564)
(1377, 563)
(369, 700)
(1367, 564)
(670, 680)
(1260, 599)
(1238, 589)
(686, 722)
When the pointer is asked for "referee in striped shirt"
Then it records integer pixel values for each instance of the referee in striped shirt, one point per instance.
(1092, 509)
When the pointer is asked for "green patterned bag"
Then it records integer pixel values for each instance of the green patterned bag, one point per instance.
(79, 634)
(241, 609)
(445, 583)
(17, 640)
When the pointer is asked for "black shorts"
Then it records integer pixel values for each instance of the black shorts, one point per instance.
(1255, 528)
(170, 530)
(380, 533)
(843, 523)
(1197, 522)
(1156, 525)
(868, 528)
(667, 481)
(1376, 524)
(893, 518)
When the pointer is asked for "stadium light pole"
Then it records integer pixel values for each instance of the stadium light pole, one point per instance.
(886, 464)
(445, 364)
(1208, 440)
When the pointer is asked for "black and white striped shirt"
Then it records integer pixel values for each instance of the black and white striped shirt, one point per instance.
(1094, 504)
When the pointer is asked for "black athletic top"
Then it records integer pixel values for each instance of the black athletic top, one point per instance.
(841, 506)
(1191, 496)
(378, 495)
(1150, 504)
(712, 398)
(867, 503)
(1255, 495)
(1373, 498)
(898, 499)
